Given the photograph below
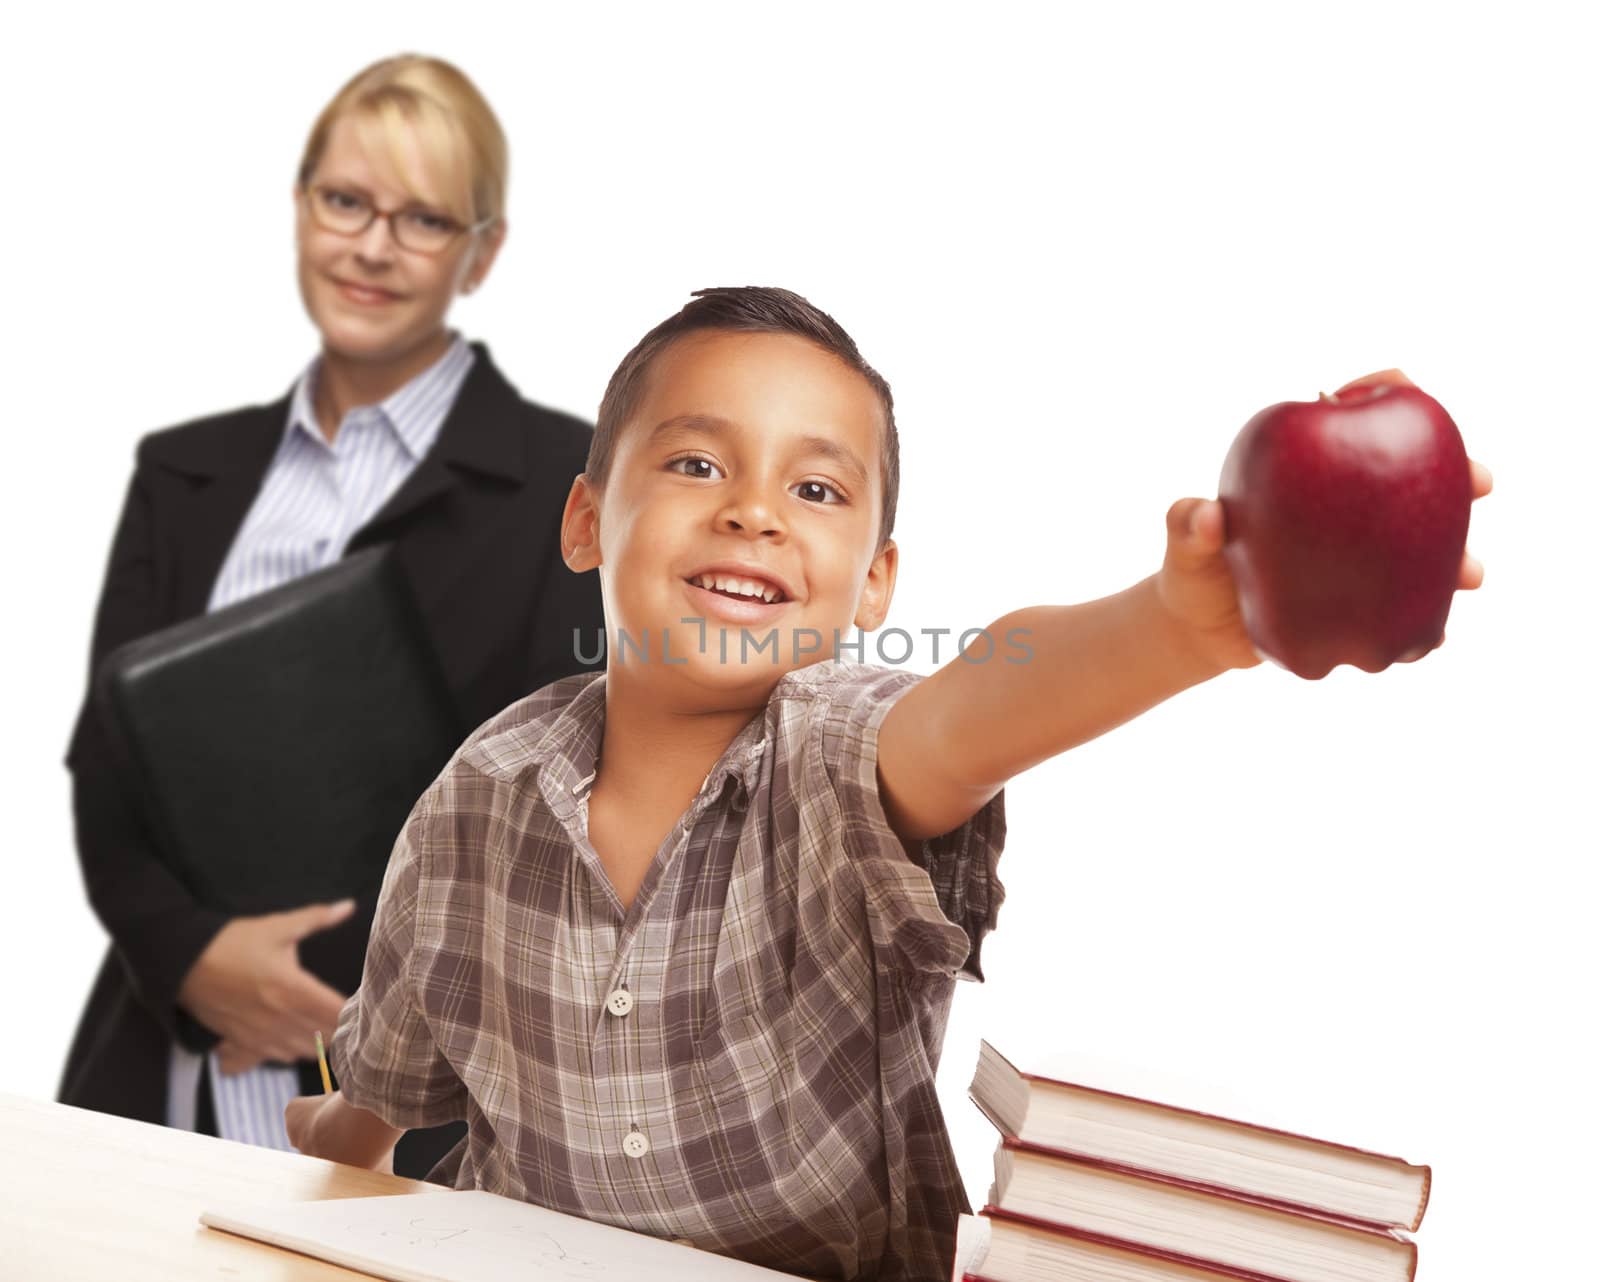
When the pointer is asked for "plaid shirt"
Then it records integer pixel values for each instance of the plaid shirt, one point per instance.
(745, 1058)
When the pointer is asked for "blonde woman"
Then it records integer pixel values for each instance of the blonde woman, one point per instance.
(399, 432)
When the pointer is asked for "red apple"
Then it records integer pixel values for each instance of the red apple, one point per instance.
(1345, 520)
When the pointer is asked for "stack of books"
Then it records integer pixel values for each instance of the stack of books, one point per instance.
(1092, 1186)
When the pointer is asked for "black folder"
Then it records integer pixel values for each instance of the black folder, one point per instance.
(277, 745)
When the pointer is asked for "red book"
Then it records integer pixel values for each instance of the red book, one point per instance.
(1192, 1225)
(1210, 1152)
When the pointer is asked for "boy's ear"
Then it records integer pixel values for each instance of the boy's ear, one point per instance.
(878, 590)
(580, 526)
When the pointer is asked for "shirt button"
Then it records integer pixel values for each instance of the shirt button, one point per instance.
(620, 1002)
(634, 1144)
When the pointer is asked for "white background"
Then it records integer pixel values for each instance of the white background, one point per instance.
(1085, 244)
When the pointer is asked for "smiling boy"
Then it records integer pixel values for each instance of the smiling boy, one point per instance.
(679, 940)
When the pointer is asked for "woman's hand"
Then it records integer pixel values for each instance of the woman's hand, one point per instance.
(249, 988)
(233, 1058)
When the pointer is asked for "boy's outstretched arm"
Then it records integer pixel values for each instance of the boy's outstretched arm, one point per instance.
(952, 741)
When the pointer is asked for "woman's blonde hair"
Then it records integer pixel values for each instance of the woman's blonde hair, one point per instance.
(461, 139)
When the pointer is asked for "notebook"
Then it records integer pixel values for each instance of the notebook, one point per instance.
(473, 1236)
(277, 745)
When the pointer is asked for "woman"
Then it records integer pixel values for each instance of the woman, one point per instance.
(399, 433)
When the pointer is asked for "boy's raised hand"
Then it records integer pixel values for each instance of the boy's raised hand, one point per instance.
(1197, 588)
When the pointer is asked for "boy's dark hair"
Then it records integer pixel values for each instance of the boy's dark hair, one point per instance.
(747, 309)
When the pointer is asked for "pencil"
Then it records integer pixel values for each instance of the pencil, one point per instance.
(322, 1063)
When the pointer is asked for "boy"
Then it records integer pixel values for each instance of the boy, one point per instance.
(679, 940)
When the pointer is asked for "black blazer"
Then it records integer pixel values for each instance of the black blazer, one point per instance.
(476, 527)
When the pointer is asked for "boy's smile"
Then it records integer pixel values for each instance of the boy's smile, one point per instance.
(743, 503)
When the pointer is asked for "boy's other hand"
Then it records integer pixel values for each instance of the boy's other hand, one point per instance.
(331, 1127)
(249, 988)
(298, 1118)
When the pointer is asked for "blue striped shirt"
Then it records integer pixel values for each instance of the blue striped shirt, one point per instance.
(315, 495)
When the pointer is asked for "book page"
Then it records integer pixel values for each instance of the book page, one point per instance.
(972, 1245)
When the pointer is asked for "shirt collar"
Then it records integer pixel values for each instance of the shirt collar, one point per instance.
(566, 748)
(414, 412)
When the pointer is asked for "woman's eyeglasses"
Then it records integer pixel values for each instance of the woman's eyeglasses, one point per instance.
(414, 227)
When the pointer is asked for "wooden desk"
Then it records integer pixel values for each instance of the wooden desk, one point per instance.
(89, 1198)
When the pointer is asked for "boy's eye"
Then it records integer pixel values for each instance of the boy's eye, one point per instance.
(821, 485)
(809, 489)
(676, 465)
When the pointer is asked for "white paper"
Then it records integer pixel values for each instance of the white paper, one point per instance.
(473, 1236)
